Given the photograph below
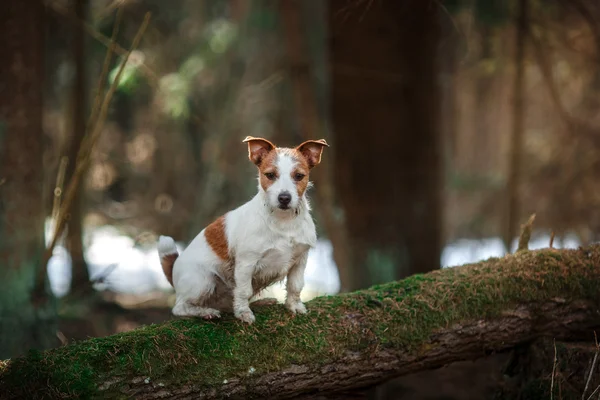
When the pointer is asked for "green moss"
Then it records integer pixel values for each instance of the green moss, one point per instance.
(400, 314)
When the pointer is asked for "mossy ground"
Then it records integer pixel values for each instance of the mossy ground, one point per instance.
(400, 314)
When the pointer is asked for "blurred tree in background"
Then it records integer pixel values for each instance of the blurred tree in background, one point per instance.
(385, 111)
(25, 322)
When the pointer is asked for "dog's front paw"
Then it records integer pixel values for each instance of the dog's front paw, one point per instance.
(211, 314)
(297, 307)
(245, 316)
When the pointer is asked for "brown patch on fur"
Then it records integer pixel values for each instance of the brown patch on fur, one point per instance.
(304, 169)
(302, 184)
(167, 262)
(217, 239)
(266, 166)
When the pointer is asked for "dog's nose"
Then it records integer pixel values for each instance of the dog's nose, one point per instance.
(284, 198)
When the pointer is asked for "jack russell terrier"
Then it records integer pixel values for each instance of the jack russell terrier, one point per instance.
(253, 246)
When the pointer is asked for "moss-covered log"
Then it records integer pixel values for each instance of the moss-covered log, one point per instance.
(344, 342)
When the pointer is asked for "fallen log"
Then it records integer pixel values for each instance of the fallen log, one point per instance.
(345, 342)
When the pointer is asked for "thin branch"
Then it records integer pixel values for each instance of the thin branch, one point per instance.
(587, 384)
(104, 74)
(58, 214)
(525, 236)
(594, 392)
(58, 189)
(116, 4)
(85, 151)
(63, 339)
(553, 373)
(101, 38)
(83, 158)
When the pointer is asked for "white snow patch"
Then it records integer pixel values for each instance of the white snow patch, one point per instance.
(137, 270)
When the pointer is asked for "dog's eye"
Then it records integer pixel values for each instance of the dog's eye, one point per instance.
(299, 177)
(270, 176)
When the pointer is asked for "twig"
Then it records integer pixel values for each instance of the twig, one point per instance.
(525, 234)
(58, 189)
(101, 38)
(103, 275)
(104, 73)
(41, 276)
(594, 392)
(553, 372)
(63, 339)
(83, 158)
(112, 6)
(587, 384)
(552, 240)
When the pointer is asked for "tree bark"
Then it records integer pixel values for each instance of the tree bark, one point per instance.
(344, 343)
(22, 324)
(386, 104)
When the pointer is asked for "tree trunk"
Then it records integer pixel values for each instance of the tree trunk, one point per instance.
(311, 127)
(386, 104)
(22, 325)
(518, 133)
(77, 99)
(344, 342)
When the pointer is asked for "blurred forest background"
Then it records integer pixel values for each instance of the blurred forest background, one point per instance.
(450, 122)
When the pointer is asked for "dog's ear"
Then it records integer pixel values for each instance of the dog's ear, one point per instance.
(258, 148)
(312, 150)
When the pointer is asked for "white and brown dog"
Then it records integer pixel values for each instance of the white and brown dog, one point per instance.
(257, 244)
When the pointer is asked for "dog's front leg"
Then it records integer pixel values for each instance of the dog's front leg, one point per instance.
(294, 285)
(243, 291)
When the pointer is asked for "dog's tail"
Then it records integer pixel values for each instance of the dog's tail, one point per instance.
(167, 251)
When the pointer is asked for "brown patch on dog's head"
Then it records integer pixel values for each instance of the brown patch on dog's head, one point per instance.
(300, 172)
(258, 149)
(267, 170)
(217, 239)
(312, 150)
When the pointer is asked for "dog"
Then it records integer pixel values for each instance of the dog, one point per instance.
(253, 246)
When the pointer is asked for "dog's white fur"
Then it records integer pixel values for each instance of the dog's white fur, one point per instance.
(266, 244)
